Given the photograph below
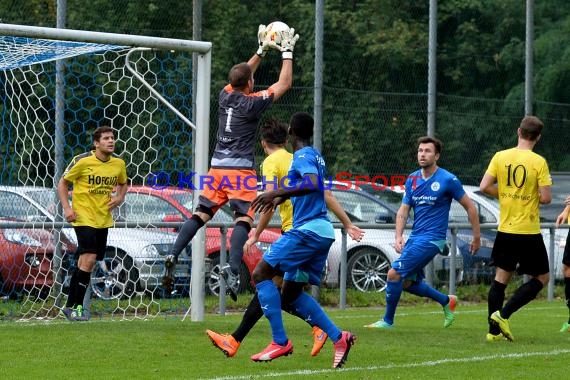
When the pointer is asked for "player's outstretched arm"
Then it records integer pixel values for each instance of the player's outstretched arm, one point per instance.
(353, 231)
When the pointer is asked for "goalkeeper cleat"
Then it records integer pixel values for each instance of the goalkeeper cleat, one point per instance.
(224, 342)
(381, 325)
(342, 348)
(565, 327)
(168, 277)
(229, 279)
(449, 311)
(319, 339)
(503, 324)
(273, 351)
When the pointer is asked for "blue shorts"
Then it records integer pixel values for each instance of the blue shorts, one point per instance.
(300, 254)
(417, 253)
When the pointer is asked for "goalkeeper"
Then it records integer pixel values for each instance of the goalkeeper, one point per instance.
(274, 170)
(239, 113)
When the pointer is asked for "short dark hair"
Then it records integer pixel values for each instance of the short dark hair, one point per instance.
(431, 140)
(301, 125)
(99, 131)
(531, 128)
(274, 132)
(239, 75)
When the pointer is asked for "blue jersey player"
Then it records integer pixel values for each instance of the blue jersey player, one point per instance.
(302, 251)
(429, 192)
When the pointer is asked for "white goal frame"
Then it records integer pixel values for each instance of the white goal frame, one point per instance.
(203, 51)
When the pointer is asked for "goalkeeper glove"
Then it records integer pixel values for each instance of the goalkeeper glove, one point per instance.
(288, 40)
(263, 45)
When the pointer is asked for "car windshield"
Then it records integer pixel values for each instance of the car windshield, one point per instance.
(361, 208)
(46, 198)
(185, 199)
(393, 198)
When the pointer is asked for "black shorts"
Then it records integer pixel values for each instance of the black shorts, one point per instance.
(91, 240)
(566, 257)
(524, 253)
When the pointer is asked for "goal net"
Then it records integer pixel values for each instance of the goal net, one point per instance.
(55, 92)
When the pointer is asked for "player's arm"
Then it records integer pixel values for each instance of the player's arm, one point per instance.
(269, 200)
(285, 79)
(332, 203)
(563, 217)
(473, 216)
(401, 219)
(120, 192)
(488, 185)
(62, 193)
(545, 194)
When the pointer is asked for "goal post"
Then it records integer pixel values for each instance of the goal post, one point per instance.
(111, 77)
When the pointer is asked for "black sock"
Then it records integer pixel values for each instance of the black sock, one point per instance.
(237, 240)
(252, 314)
(567, 294)
(83, 279)
(186, 233)
(523, 295)
(495, 302)
(72, 289)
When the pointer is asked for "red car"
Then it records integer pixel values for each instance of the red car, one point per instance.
(148, 205)
(26, 261)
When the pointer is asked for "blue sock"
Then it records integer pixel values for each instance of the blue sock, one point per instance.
(424, 290)
(393, 293)
(270, 301)
(314, 314)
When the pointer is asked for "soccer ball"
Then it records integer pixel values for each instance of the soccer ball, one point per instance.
(272, 32)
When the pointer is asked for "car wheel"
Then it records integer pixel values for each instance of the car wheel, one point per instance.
(213, 277)
(117, 278)
(368, 270)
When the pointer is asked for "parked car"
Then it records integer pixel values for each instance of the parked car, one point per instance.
(149, 205)
(134, 258)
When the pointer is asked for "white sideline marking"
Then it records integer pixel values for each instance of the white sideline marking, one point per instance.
(429, 363)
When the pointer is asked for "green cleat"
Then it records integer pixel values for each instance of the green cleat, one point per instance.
(381, 324)
(565, 327)
(449, 311)
(495, 338)
(503, 324)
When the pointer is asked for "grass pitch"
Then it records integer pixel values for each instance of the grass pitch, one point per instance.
(169, 348)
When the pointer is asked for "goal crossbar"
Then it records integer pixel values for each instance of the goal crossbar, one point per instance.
(203, 60)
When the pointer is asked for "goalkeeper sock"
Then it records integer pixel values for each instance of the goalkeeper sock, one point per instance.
(237, 240)
(187, 232)
(252, 314)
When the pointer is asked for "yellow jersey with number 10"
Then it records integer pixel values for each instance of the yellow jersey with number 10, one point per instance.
(519, 174)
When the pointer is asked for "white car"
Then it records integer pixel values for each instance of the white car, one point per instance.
(134, 260)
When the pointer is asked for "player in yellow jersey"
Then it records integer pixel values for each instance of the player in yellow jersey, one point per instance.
(94, 176)
(274, 171)
(520, 179)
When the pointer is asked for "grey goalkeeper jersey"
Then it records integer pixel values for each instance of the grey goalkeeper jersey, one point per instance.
(238, 117)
